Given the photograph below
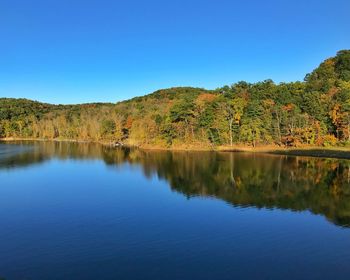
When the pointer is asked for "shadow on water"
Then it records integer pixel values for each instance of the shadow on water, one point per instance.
(321, 186)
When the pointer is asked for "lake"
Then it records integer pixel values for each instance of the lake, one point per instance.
(85, 211)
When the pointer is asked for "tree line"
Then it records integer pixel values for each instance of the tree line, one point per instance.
(313, 112)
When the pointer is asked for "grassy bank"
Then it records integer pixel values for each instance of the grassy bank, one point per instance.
(316, 152)
(310, 151)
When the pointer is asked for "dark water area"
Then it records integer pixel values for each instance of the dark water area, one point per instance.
(85, 211)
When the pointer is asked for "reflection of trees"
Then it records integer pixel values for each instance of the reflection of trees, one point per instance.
(321, 186)
(24, 153)
(12, 156)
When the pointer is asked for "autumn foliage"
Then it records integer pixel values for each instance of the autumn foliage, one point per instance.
(313, 112)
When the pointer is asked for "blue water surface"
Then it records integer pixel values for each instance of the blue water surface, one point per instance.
(79, 215)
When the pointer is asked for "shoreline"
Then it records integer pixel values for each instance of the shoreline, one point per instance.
(305, 151)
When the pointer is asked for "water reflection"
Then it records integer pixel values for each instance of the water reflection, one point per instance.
(321, 186)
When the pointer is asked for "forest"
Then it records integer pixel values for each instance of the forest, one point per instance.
(313, 112)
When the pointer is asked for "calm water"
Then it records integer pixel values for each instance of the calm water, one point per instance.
(80, 211)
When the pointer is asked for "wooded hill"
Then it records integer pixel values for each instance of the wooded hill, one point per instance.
(313, 112)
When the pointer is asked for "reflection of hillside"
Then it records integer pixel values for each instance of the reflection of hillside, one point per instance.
(12, 156)
(24, 153)
(321, 186)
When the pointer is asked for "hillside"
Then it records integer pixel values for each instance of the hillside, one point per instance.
(313, 112)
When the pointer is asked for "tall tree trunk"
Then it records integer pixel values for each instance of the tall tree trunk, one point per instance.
(278, 127)
(231, 136)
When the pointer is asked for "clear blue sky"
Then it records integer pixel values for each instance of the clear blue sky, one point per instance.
(76, 51)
